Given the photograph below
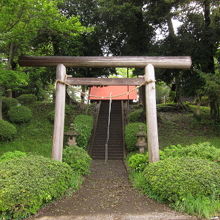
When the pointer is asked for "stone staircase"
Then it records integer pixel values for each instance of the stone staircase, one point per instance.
(115, 146)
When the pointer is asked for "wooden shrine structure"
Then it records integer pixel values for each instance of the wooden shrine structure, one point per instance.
(62, 79)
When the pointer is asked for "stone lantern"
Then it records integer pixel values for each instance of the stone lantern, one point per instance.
(141, 139)
(71, 135)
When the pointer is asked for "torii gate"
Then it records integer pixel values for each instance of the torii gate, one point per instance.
(62, 79)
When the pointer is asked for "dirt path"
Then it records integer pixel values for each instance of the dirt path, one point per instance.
(107, 195)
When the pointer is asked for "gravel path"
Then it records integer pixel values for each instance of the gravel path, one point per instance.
(107, 194)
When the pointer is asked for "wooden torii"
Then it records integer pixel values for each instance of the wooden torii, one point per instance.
(62, 79)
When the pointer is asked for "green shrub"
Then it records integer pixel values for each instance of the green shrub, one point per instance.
(78, 159)
(69, 112)
(131, 131)
(83, 125)
(137, 116)
(7, 131)
(27, 99)
(174, 179)
(202, 150)
(137, 162)
(12, 155)
(20, 114)
(7, 103)
(29, 182)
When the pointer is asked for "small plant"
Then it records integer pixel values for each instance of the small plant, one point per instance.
(78, 159)
(131, 131)
(138, 162)
(7, 103)
(20, 114)
(137, 116)
(83, 126)
(27, 99)
(29, 182)
(7, 131)
(12, 155)
(202, 150)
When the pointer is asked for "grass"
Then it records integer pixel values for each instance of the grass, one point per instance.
(184, 129)
(35, 136)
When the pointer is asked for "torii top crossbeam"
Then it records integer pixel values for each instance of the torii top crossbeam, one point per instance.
(171, 62)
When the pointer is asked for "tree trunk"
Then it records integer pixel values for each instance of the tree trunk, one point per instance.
(9, 93)
(177, 90)
(170, 26)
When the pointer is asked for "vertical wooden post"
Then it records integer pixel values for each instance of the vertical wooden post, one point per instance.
(58, 133)
(151, 114)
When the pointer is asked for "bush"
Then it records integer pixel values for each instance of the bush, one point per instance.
(7, 131)
(138, 162)
(69, 112)
(131, 131)
(78, 159)
(83, 125)
(27, 99)
(20, 114)
(29, 182)
(175, 179)
(7, 103)
(202, 150)
(11, 155)
(137, 116)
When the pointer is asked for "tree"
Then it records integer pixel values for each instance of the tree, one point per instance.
(10, 79)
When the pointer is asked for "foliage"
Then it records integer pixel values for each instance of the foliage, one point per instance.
(201, 206)
(34, 136)
(131, 131)
(29, 182)
(174, 179)
(20, 114)
(162, 92)
(69, 113)
(11, 155)
(27, 99)
(21, 22)
(83, 126)
(7, 131)
(137, 162)
(7, 103)
(11, 79)
(78, 159)
(136, 116)
(201, 150)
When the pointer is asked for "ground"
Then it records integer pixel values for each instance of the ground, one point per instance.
(107, 195)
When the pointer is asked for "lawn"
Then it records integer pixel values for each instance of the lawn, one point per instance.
(35, 136)
(183, 128)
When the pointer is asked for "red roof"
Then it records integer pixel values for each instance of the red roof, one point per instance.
(104, 92)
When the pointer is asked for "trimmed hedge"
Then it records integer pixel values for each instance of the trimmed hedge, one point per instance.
(20, 114)
(27, 99)
(78, 159)
(83, 125)
(202, 150)
(131, 131)
(29, 182)
(7, 103)
(172, 179)
(7, 131)
(12, 155)
(137, 116)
